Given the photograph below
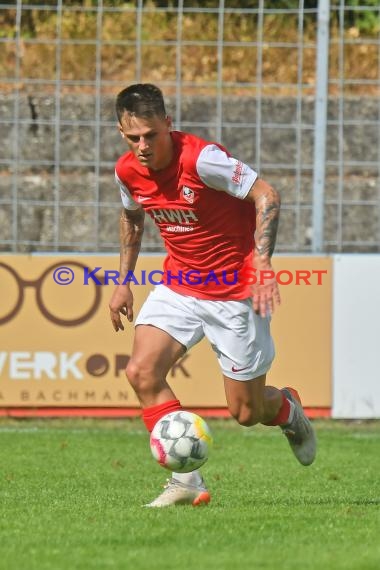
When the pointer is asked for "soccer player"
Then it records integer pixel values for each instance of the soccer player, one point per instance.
(218, 220)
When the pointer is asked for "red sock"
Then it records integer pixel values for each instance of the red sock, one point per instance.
(152, 414)
(283, 415)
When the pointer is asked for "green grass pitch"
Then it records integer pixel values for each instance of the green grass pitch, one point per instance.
(71, 493)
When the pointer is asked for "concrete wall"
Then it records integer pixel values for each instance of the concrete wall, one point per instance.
(86, 143)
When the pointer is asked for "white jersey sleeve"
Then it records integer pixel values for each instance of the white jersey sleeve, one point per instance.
(219, 171)
(128, 202)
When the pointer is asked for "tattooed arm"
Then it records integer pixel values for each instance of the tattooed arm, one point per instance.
(131, 228)
(267, 201)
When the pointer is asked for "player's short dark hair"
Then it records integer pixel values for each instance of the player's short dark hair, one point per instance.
(141, 100)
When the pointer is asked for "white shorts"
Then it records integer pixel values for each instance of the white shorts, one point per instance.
(240, 338)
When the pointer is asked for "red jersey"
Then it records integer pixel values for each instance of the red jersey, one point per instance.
(197, 204)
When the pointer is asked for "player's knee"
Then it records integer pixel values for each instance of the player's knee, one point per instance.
(136, 375)
(143, 378)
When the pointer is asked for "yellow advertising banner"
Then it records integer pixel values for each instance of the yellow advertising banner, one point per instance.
(302, 328)
(58, 347)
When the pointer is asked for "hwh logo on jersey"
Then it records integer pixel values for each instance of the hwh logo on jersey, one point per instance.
(181, 216)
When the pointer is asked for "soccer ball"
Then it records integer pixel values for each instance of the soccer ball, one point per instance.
(180, 441)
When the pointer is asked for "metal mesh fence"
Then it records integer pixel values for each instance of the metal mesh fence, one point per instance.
(293, 90)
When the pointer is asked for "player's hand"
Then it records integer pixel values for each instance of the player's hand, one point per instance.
(265, 292)
(121, 304)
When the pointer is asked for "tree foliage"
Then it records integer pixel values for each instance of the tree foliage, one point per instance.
(360, 14)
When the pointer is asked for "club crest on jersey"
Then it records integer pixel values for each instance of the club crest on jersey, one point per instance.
(188, 194)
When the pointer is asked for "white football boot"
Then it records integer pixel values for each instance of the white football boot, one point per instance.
(177, 493)
(299, 431)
